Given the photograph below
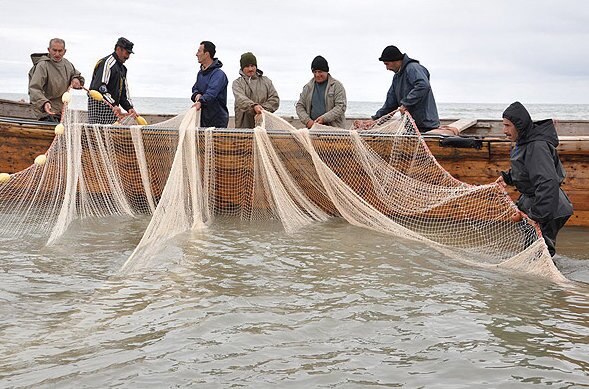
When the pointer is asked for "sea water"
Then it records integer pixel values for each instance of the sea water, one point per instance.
(248, 305)
(355, 109)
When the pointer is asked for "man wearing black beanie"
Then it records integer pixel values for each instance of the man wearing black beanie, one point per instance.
(410, 91)
(323, 99)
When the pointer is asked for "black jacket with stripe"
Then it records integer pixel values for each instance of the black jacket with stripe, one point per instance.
(110, 79)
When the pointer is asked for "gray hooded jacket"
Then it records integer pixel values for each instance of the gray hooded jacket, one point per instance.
(536, 170)
(249, 91)
(411, 88)
(48, 80)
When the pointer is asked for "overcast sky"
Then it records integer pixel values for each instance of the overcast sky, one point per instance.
(487, 51)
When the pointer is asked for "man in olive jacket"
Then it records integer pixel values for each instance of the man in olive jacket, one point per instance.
(323, 99)
(253, 92)
(49, 78)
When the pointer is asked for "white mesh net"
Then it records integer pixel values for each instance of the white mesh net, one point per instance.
(384, 179)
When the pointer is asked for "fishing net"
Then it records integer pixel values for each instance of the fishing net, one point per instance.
(383, 178)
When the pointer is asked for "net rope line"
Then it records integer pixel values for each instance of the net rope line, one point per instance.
(383, 178)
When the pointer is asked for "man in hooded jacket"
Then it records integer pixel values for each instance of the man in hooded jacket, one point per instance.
(536, 172)
(410, 91)
(209, 92)
(49, 78)
(253, 92)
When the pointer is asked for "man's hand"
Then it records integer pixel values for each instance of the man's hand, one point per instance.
(47, 108)
(402, 109)
(76, 84)
(310, 123)
(363, 124)
(197, 105)
(117, 111)
(258, 109)
(501, 182)
(319, 120)
(197, 98)
(132, 112)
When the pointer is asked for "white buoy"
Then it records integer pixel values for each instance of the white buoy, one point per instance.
(4, 177)
(59, 129)
(40, 160)
(66, 97)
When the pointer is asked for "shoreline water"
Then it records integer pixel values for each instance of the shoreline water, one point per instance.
(176, 105)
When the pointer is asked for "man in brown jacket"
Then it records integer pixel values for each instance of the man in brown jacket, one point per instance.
(49, 78)
(323, 99)
(253, 92)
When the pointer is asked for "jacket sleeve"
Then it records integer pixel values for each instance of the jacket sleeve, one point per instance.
(195, 90)
(36, 85)
(273, 101)
(301, 107)
(126, 102)
(78, 75)
(543, 176)
(243, 102)
(101, 77)
(390, 104)
(421, 86)
(340, 103)
(217, 82)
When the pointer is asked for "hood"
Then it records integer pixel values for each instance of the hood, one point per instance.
(38, 57)
(216, 64)
(259, 73)
(406, 60)
(527, 130)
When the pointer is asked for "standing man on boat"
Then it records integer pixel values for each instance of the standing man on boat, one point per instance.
(209, 92)
(110, 79)
(323, 99)
(49, 78)
(410, 91)
(536, 172)
(253, 92)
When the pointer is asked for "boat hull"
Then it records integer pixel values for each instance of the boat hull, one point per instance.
(23, 140)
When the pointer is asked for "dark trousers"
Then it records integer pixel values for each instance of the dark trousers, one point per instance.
(550, 230)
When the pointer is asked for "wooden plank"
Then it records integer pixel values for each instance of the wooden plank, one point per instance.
(463, 124)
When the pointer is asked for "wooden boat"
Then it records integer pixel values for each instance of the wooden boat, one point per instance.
(475, 157)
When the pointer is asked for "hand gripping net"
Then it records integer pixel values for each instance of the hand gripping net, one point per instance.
(384, 179)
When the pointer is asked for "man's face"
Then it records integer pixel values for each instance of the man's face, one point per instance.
(56, 51)
(509, 130)
(320, 76)
(250, 70)
(123, 54)
(393, 65)
(201, 55)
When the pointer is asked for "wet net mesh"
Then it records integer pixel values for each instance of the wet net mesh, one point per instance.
(383, 178)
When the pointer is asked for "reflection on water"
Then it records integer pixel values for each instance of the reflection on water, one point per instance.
(248, 305)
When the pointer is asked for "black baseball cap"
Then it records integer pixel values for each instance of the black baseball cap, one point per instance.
(125, 44)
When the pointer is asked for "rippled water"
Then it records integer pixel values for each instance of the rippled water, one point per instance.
(243, 305)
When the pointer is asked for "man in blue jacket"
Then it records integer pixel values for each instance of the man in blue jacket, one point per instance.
(209, 93)
(410, 91)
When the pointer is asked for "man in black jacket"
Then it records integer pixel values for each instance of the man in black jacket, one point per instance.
(536, 172)
(110, 79)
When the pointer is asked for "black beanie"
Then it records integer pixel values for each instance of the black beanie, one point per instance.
(390, 54)
(319, 63)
